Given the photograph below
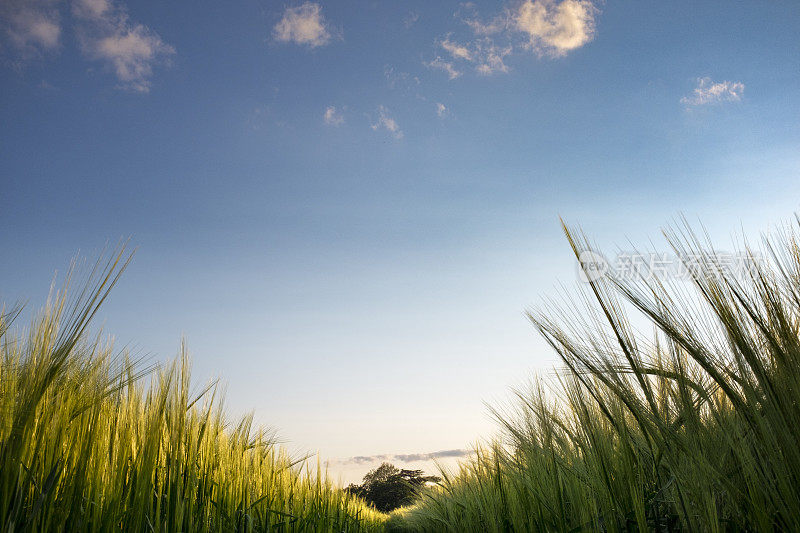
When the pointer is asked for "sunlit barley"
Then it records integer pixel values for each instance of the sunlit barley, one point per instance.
(93, 441)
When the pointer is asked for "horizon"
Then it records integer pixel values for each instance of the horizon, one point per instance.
(347, 208)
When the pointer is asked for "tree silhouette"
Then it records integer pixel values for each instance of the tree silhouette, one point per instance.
(388, 487)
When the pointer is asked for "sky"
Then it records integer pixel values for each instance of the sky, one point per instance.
(346, 207)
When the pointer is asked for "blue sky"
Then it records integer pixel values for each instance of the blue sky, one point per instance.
(346, 207)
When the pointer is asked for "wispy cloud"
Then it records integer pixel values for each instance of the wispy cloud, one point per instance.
(404, 458)
(446, 66)
(709, 92)
(412, 457)
(398, 79)
(410, 19)
(456, 50)
(130, 49)
(491, 57)
(548, 28)
(332, 116)
(303, 25)
(387, 123)
(497, 24)
(31, 27)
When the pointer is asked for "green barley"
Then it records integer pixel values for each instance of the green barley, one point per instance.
(92, 441)
(693, 428)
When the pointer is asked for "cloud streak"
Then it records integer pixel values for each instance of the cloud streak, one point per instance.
(404, 458)
(386, 122)
(708, 92)
(131, 50)
(456, 50)
(303, 25)
(446, 66)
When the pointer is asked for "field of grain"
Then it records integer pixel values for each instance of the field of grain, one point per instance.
(93, 441)
(690, 423)
(675, 409)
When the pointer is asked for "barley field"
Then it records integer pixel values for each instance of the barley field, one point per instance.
(686, 419)
(91, 440)
(675, 409)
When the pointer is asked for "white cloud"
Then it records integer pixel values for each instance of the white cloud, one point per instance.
(446, 66)
(545, 27)
(456, 50)
(441, 109)
(31, 26)
(131, 50)
(387, 123)
(332, 117)
(556, 27)
(708, 92)
(303, 25)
